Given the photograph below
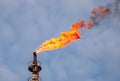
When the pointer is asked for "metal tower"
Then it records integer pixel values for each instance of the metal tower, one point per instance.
(35, 69)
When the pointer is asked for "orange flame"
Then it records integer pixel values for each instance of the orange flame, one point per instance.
(100, 10)
(66, 38)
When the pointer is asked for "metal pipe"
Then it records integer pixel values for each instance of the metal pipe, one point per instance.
(34, 58)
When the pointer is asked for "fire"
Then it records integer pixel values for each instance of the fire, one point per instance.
(69, 36)
(100, 11)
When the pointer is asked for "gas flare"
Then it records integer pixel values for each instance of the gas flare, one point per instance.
(69, 36)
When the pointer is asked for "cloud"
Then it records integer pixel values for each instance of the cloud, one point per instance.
(7, 34)
(7, 75)
(24, 24)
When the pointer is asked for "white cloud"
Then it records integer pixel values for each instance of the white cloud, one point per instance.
(27, 23)
(7, 34)
(7, 75)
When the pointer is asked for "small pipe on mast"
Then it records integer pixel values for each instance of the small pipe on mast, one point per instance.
(34, 58)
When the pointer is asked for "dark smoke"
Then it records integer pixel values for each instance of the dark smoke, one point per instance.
(114, 9)
(114, 12)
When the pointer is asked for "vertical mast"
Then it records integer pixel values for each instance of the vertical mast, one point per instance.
(34, 68)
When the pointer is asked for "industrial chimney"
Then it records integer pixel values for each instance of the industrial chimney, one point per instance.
(35, 68)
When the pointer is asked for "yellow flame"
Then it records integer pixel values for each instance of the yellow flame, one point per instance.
(66, 38)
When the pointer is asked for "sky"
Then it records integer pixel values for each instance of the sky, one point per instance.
(25, 24)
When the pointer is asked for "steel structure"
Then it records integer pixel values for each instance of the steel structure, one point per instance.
(35, 68)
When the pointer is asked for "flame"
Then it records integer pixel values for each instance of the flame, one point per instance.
(69, 36)
(100, 11)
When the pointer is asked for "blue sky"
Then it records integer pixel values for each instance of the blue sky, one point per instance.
(25, 24)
